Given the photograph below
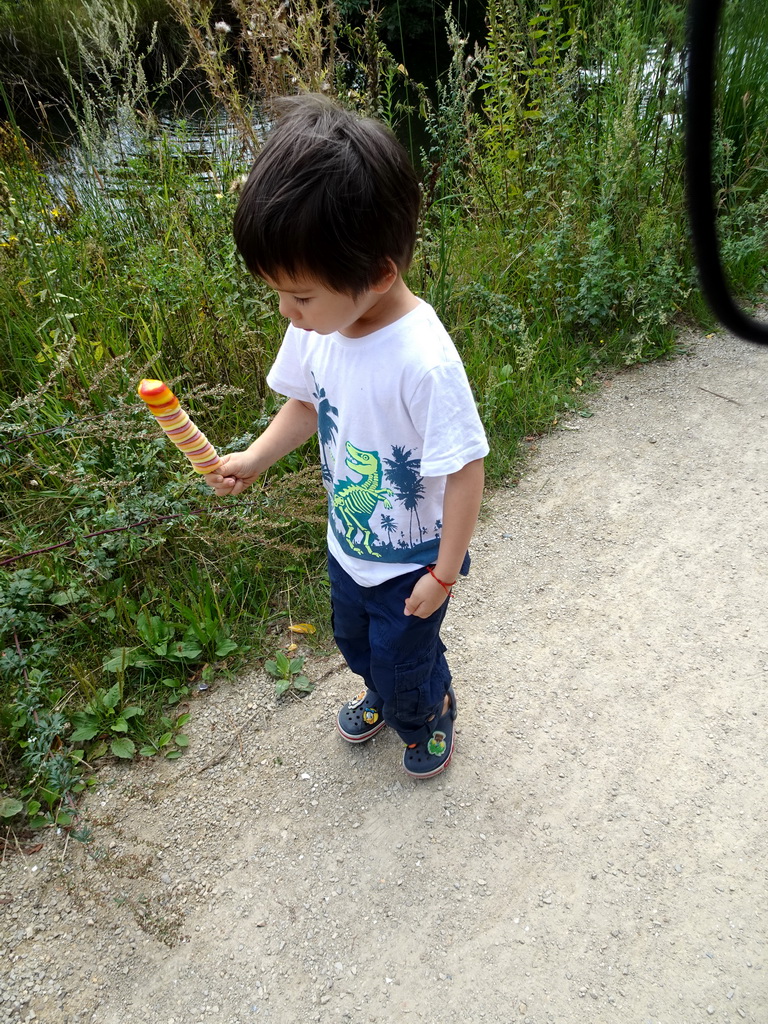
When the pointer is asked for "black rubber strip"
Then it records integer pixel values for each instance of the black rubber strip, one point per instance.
(703, 18)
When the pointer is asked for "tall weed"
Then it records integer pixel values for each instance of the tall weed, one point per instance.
(742, 96)
(40, 39)
(267, 49)
(579, 168)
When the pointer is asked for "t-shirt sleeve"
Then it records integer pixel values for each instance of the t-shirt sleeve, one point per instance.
(287, 376)
(445, 414)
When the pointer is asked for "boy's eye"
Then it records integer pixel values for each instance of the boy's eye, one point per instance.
(299, 301)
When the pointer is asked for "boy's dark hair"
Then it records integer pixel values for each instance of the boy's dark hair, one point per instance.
(331, 195)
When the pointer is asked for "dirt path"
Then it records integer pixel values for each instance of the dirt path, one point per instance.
(598, 849)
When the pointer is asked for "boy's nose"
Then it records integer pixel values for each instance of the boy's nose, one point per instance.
(286, 309)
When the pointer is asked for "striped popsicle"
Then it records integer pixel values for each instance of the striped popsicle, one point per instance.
(165, 407)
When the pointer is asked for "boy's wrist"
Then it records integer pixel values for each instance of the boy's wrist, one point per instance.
(446, 581)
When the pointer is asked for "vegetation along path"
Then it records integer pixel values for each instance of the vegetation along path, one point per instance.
(597, 850)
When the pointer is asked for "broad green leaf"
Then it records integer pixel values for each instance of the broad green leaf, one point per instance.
(49, 795)
(123, 657)
(119, 725)
(283, 663)
(182, 740)
(85, 718)
(123, 747)
(172, 755)
(281, 686)
(296, 664)
(182, 719)
(132, 711)
(303, 684)
(98, 750)
(85, 733)
(112, 697)
(184, 650)
(147, 751)
(225, 647)
(9, 807)
(152, 629)
(271, 667)
(64, 818)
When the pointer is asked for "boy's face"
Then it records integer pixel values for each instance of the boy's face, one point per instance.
(313, 306)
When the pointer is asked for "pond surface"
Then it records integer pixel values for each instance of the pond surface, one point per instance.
(80, 157)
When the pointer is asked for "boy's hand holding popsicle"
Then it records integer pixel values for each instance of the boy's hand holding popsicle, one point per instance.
(235, 472)
(294, 424)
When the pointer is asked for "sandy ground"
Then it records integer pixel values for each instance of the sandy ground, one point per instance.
(597, 851)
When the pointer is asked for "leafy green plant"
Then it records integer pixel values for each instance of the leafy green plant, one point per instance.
(165, 642)
(110, 727)
(106, 719)
(288, 675)
(171, 742)
(48, 773)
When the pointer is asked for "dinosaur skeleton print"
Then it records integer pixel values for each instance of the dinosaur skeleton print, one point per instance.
(362, 510)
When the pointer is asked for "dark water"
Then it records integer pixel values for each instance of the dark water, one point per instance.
(83, 158)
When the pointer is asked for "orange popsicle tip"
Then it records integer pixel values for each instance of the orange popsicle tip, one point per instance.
(149, 388)
(157, 395)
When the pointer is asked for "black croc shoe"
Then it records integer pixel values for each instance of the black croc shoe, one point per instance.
(432, 756)
(360, 719)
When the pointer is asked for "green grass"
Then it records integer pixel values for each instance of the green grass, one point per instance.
(553, 245)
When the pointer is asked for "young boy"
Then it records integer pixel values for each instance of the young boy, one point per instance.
(328, 220)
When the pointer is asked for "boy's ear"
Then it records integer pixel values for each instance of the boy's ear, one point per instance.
(386, 280)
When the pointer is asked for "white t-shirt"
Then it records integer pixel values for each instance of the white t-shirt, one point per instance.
(395, 417)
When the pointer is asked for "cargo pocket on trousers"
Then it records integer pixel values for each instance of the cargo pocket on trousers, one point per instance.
(417, 687)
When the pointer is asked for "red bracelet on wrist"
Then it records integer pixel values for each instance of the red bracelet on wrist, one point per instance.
(447, 587)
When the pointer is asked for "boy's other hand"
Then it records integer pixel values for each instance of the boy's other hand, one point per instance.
(426, 597)
(237, 471)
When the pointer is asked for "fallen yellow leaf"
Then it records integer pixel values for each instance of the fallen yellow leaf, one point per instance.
(302, 627)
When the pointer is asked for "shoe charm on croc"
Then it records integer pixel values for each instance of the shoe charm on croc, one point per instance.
(432, 756)
(370, 716)
(436, 744)
(360, 718)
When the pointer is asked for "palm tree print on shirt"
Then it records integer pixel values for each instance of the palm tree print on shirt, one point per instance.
(403, 473)
(326, 426)
(389, 526)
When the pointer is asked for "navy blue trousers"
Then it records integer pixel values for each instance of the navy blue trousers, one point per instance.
(400, 657)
